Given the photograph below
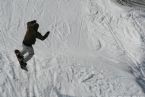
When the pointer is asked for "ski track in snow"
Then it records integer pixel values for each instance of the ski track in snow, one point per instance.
(79, 78)
(87, 54)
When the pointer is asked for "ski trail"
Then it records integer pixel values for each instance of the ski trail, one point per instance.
(32, 90)
(14, 79)
(86, 43)
(3, 39)
(10, 75)
(13, 86)
(35, 88)
(13, 72)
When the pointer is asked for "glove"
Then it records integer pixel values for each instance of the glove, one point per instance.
(46, 35)
(48, 32)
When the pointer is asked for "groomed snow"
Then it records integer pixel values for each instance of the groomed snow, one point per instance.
(95, 48)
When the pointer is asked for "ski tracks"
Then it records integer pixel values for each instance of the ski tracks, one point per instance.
(9, 78)
(16, 82)
(84, 81)
(59, 77)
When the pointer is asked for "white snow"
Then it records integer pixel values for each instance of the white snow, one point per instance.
(96, 48)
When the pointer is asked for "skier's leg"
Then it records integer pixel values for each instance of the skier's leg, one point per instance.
(30, 51)
(24, 50)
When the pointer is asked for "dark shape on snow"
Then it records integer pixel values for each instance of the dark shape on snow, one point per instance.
(30, 38)
(20, 59)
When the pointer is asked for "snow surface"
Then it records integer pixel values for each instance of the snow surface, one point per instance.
(96, 48)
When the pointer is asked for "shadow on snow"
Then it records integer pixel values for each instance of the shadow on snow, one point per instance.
(139, 73)
(61, 95)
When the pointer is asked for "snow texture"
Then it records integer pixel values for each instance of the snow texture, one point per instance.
(96, 48)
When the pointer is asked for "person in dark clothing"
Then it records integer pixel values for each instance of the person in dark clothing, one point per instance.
(30, 38)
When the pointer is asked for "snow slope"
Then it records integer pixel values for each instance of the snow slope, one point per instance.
(95, 49)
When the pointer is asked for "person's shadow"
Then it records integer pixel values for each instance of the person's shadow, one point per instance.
(59, 94)
(139, 73)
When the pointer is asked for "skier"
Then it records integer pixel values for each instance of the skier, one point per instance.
(29, 40)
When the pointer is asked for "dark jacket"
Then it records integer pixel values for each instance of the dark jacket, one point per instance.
(32, 34)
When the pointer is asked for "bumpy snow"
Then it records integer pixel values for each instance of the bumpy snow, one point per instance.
(96, 48)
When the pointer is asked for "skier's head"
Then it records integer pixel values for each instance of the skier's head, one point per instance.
(36, 26)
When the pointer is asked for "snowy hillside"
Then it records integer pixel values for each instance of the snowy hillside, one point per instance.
(96, 48)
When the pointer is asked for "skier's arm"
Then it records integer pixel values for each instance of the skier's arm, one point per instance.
(39, 36)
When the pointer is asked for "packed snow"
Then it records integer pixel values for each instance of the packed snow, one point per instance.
(96, 48)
